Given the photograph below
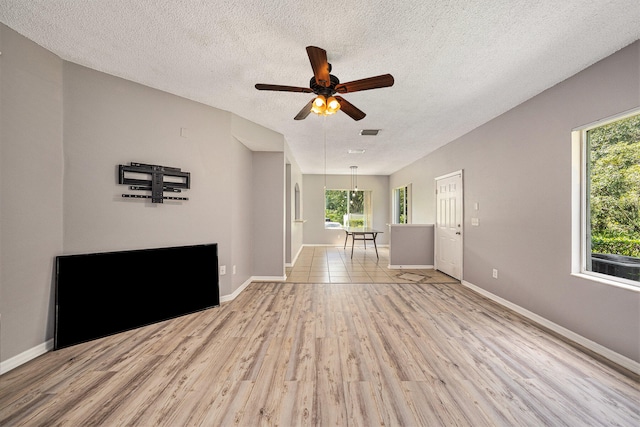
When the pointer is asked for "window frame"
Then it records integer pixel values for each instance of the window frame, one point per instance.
(395, 208)
(368, 217)
(580, 204)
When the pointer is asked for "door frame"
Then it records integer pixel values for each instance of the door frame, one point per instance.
(435, 235)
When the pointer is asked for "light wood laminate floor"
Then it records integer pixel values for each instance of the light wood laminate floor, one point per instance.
(289, 354)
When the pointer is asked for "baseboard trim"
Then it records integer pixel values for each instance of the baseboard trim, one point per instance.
(295, 258)
(25, 356)
(601, 350)
(231, 297)
(269, 278)
(409, 267)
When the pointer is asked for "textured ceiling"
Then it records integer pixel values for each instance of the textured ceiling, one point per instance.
(457, 64)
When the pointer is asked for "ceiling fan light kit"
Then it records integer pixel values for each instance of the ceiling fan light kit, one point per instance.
(325, 85)
(325, 106)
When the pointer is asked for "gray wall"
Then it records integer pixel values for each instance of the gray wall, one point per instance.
(313, 201)
(518, 168)
(65, 128)
(268, 213)
(411, 244)
(242, 206)
(294, 228)
(30, 190)
(110, 121)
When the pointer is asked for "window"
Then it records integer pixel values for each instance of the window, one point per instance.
(610, 199)
(344, 208)
(401, 207)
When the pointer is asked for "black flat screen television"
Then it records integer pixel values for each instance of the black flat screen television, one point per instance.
(105, 293)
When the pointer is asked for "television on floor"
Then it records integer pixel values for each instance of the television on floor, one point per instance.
(101, 294)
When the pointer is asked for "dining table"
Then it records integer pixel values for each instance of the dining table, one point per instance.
(363, 234)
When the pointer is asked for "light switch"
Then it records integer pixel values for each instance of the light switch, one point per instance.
(223, 270)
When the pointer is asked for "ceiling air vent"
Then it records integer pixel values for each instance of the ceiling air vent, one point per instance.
(369, 132)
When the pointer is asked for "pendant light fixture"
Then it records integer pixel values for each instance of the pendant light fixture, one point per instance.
(354, 180)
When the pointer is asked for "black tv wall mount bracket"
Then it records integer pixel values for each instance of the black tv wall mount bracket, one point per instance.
(154, 178)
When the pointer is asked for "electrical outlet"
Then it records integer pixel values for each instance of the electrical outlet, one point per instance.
(495, 273)
(223, 270)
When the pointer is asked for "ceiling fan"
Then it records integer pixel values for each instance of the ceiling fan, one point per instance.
(326, 85)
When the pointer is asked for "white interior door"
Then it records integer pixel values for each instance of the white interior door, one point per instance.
(448, 238)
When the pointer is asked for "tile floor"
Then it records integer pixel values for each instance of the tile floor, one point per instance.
(326, 264)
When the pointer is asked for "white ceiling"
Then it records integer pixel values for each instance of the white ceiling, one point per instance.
(456, 64)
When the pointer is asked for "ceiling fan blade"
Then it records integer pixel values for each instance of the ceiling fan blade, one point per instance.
(349, 109)
(320, 65)
(279, 88)
(384, 80)
(305, 111)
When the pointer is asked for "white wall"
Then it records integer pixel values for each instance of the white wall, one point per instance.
(518, 168)
(313, 201)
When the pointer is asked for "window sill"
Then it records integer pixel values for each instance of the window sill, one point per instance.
(593, 278)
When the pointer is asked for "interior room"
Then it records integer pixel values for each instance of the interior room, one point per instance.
(457, 150)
